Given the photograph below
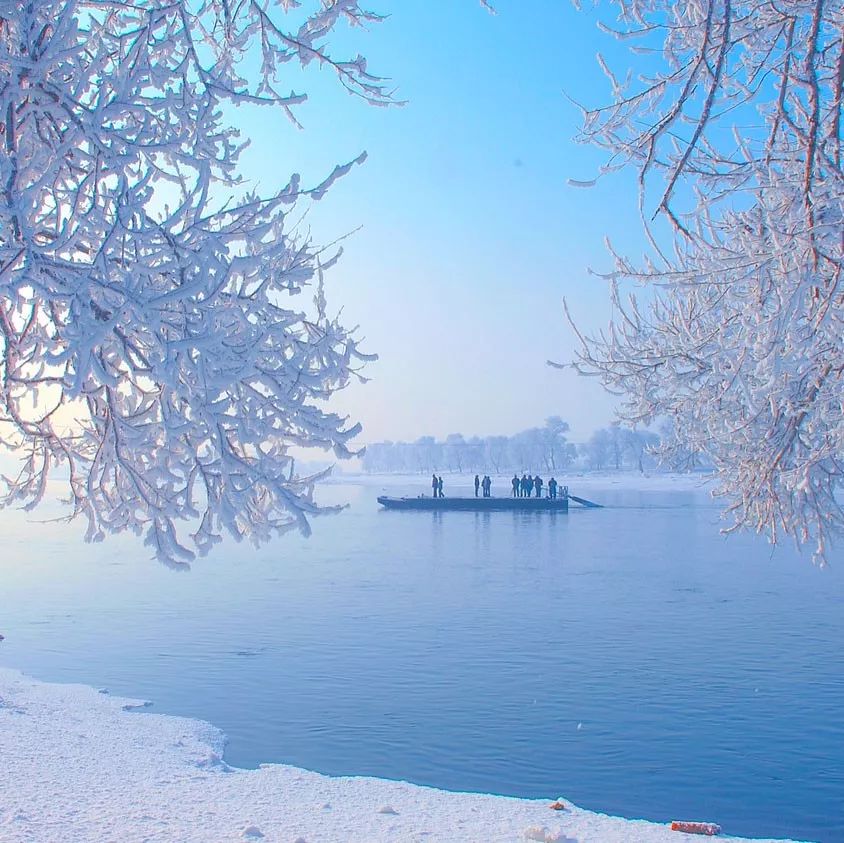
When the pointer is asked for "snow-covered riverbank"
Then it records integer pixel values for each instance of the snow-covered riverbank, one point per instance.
(78, 765)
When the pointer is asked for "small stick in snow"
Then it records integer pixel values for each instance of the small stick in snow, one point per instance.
(710, 829)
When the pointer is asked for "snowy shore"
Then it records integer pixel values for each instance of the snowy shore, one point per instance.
(79, 765)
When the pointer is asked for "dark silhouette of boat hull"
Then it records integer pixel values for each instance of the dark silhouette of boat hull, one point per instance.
(477, 504)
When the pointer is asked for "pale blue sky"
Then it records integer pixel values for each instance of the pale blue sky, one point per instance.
(470, 235)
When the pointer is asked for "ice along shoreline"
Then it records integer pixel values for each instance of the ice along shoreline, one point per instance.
(79, 765)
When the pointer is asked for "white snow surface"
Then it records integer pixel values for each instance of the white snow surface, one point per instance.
(78, 765)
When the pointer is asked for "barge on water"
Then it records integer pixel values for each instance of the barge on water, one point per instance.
(560, 504)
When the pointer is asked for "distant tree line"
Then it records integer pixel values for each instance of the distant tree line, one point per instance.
(539, 449)
(619, 447)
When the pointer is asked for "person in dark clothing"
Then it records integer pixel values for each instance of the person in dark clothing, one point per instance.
(487, 485)
(440, 486)
(516, 484)
(552, 488)
(537, 484)
(524, 486)
(477, 483)
(434, 485)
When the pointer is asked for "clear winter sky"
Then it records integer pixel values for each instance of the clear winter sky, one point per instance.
(469, 234)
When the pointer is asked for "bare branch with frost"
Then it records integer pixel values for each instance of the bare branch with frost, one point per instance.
(737, 139)
(156, 344)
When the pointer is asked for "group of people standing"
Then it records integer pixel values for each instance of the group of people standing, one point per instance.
(524, 486)
(485, 484)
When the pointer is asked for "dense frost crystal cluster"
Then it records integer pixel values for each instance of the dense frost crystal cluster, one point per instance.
(736, 133)
(165, 337)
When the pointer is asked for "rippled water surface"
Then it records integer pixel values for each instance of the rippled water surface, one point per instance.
(630, 659)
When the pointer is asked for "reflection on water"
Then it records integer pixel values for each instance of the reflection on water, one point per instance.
(631, 658)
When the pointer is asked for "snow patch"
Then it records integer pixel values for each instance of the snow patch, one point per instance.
(543, 835)
(134, 706)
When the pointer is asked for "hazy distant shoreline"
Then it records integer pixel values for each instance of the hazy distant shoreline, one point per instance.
(616, 480)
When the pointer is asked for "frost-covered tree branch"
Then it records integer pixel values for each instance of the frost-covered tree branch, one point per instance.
(158, 341)
(734, 125)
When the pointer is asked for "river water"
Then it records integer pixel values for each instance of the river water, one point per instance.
(630, 659)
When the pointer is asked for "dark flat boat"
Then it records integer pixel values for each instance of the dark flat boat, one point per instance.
(560, 504)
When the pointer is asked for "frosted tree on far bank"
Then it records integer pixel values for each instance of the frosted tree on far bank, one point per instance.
(164, 336)
(736, 134)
